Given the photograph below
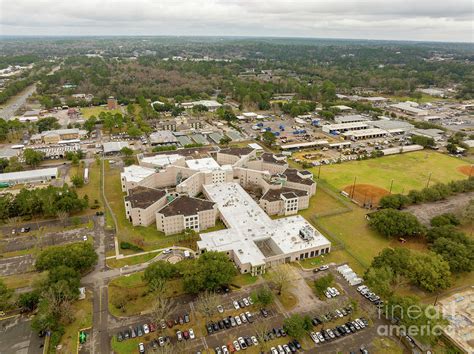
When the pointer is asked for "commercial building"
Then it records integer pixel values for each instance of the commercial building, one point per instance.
(410, 108)
(353, 118)
(132, 175)
(57, 136)
(114, 147)
(284, 201)
(163, 137)
(344, 127)
(305, 145)
(372, 133)
(393, 127)
(33, 176)
(211, 105)
(435, 134)
(112, 103)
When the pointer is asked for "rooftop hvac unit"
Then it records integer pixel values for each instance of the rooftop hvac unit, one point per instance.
(306, 233)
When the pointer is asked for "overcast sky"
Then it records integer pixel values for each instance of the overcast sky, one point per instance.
(435, 20)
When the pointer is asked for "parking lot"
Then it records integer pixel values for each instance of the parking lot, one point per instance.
(16, 337)
(313, 307)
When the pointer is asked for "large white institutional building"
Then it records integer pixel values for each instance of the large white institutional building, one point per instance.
(193, 188)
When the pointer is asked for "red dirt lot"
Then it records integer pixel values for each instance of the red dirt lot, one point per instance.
(366, 194)
(468, 170)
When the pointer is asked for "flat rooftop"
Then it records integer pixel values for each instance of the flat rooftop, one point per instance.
(161, 160)
(135, 173)
(204, 164)
(249, 226)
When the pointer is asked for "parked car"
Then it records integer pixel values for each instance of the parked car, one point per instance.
(246, 301)
(242, 343)
(179, 336)
(238, 320)
(186, 335)
(220, 309)
(119, 336)
(236, 345)
(236, 305)
(139, 331)
(264, 312)
(254, 340)
(146, 329)
(167, 251)
(191, 334)
(250, 300)
(161, 341)
(243, 318)
(141, 348)
(249, 316)
(186, 318)
(225, 350)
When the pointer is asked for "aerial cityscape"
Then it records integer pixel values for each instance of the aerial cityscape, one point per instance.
(215, 177)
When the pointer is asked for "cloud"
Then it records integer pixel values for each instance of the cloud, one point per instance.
(371, 19)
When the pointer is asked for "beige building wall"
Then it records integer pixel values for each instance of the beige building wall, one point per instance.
(143, 217)
(171, 225)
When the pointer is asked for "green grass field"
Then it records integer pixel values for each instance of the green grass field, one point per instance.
(88, 112)
(408, 171)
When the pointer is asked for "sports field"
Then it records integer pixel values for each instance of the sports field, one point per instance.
(408, 171)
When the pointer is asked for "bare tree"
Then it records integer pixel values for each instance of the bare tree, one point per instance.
(62, 216)
(162, 308)
(280, 278)
(207, 303)
(261, 330)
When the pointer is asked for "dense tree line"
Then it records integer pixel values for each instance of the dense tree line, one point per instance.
(434, 193)
(395, 223)
(47, 202)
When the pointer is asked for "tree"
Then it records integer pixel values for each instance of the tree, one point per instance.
(394, 223)
(380, 280)
(126, 151)
(90, 124)
(77, 181)
(48, 123)
(6, 296)
(423, 141)
(263, 296)
(78, 256)
(161, 309)
(62, 216)
(296, 325)
(157, 273)
(396, 259)
(268, 138)
(321, 284)
(411, 313)
(328, 91)
(33, 157)
(225, 140)
(445, 219)
(261, 330)
(394, 201)
(459, 255)
(29, 301)
(280, 278)
(207, 303)
(209, 272)
(429, 271)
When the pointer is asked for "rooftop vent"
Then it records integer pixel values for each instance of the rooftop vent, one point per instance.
(306, 233)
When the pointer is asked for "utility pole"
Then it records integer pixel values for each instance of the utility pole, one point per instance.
(429, 179)
(391, 185)
(319, 171)
(353, 187)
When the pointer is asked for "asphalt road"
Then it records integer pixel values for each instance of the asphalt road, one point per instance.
(8, 110)
(16, 337)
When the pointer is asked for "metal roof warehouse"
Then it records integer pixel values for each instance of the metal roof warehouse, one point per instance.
(42, 175)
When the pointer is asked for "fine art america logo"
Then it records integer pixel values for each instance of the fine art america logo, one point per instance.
(400, 317)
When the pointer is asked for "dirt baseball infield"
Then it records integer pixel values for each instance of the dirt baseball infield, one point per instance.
(366, 194)
(468, 170)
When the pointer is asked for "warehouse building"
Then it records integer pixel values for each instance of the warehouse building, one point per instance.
(33, 176)
(344, 127)
(353, 118)
(410, 108)
(372, 133)
(393, 127)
